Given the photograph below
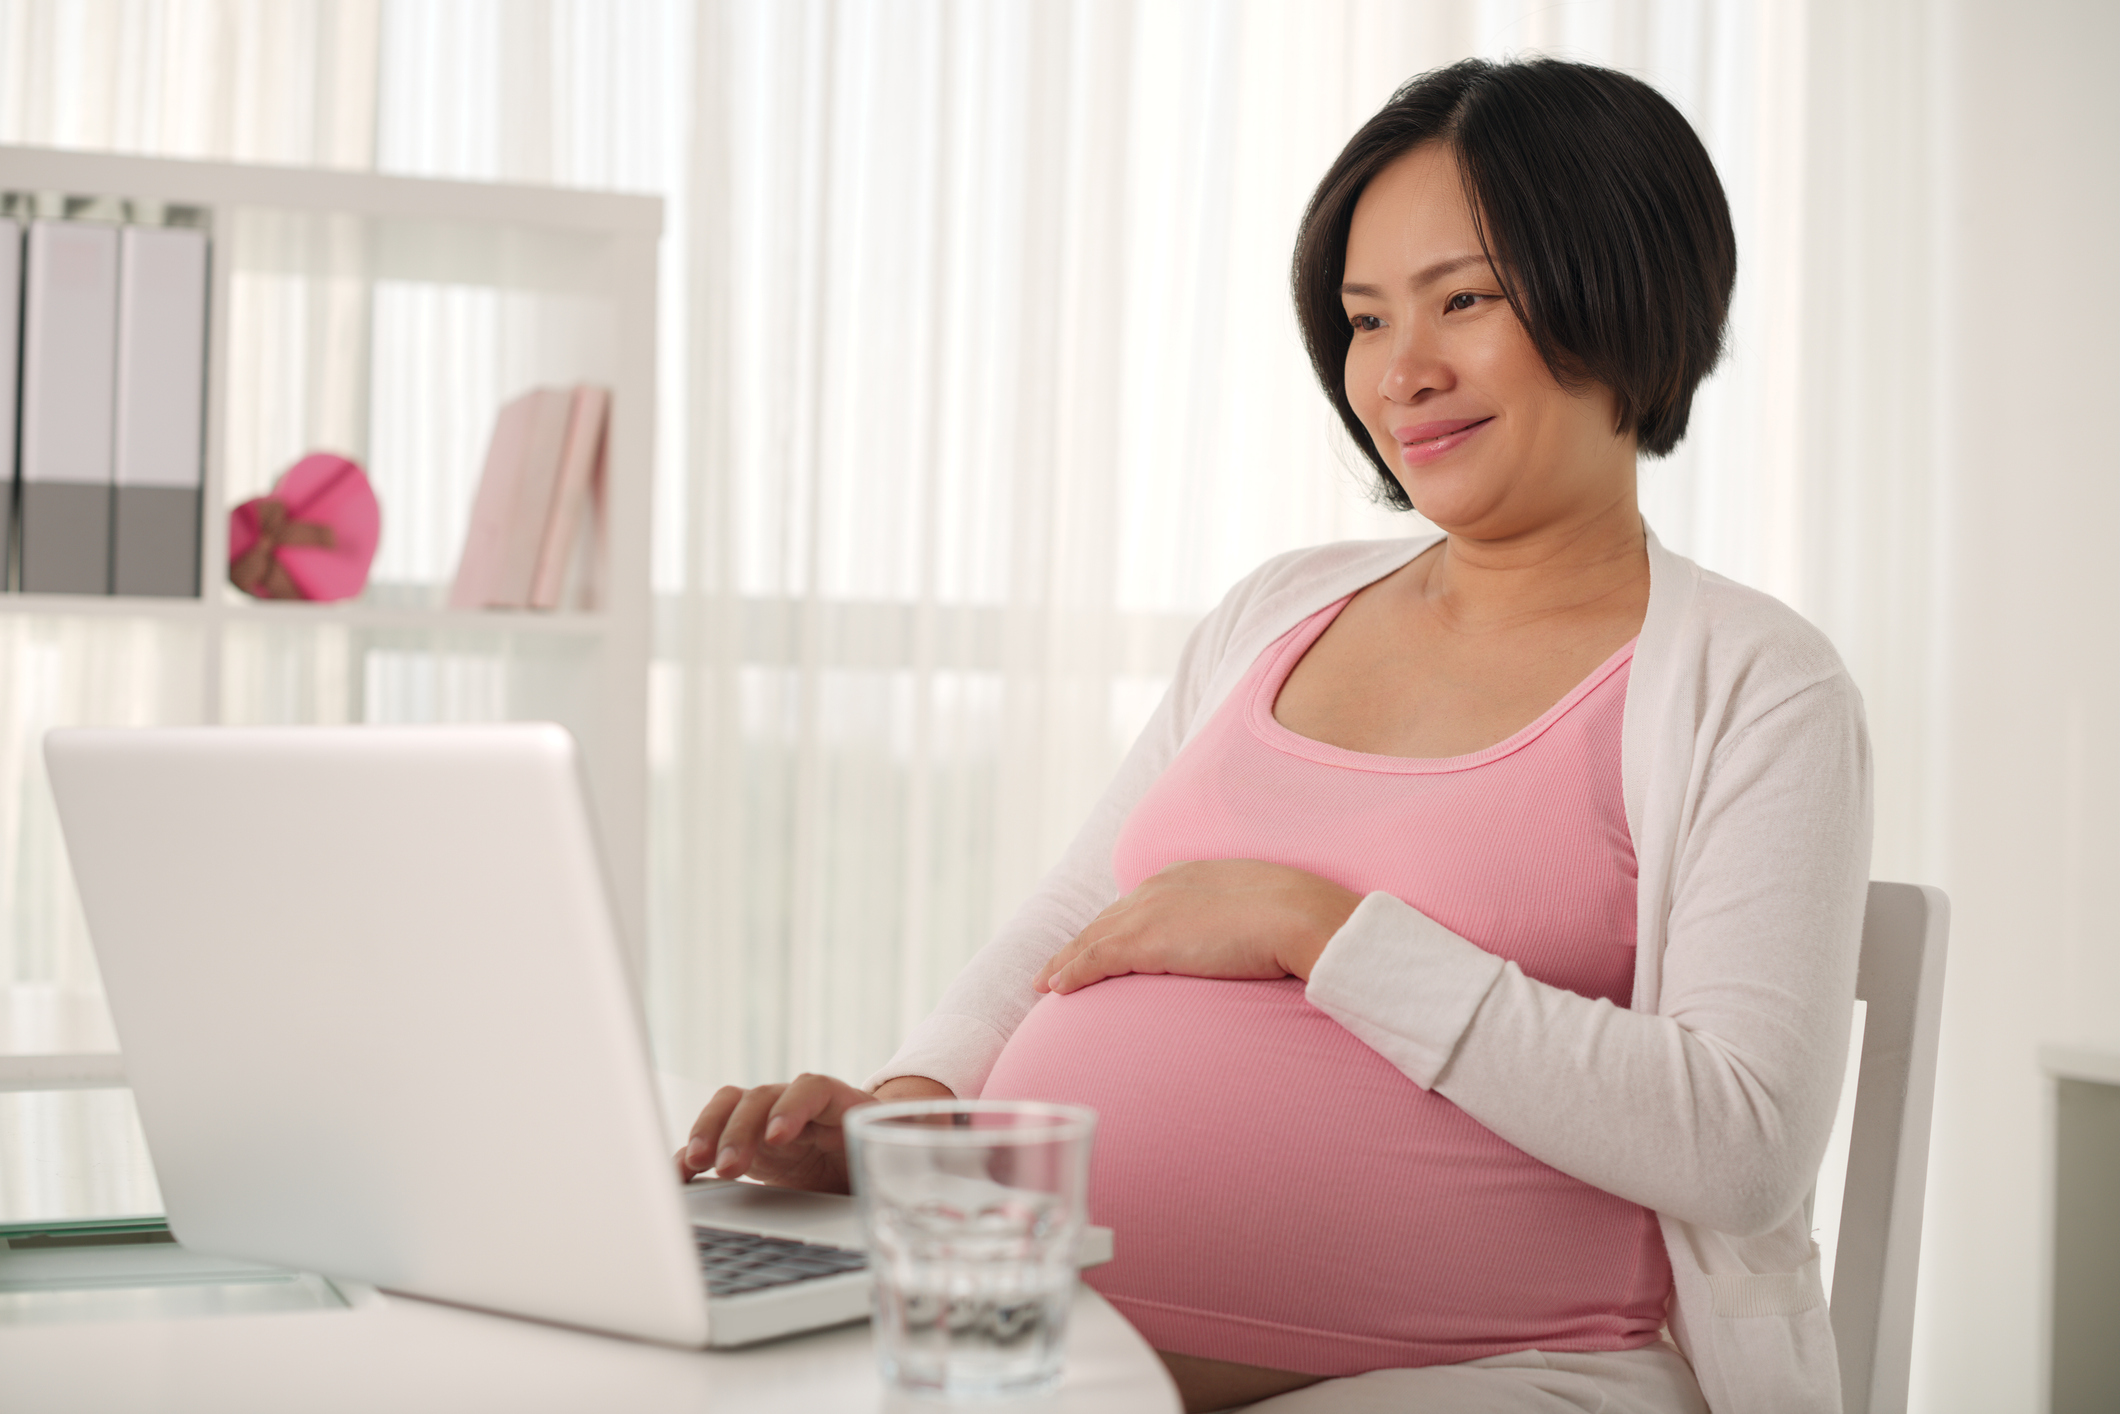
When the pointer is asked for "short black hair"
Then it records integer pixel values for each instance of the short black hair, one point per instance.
(1599, 209)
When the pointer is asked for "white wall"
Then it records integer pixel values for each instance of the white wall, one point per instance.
(2028, 773)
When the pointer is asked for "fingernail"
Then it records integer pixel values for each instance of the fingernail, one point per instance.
(780, 1129)
(725, 1158)
(696, 1152)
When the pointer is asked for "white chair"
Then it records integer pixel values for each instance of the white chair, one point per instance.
(1900, 979)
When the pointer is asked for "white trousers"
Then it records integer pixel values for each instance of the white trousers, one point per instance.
(1652, 1380)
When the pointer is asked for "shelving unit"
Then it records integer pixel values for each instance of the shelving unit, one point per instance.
(591, 256)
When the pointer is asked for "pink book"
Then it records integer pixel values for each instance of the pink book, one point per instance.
(543, 451)
(574, 499)
(486, 540)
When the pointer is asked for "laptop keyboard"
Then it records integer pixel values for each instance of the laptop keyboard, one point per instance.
(736, 1262)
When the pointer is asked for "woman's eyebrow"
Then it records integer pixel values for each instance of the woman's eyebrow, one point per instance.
(1451, 266)
(1426, 277)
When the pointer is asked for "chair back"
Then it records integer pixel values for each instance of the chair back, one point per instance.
(1900, 978)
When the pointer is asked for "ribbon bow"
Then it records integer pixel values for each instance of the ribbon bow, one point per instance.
(258, 571)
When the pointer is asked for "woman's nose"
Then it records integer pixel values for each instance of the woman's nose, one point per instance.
(1413, 369)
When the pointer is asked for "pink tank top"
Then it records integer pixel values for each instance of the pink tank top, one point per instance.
(1281, 1195)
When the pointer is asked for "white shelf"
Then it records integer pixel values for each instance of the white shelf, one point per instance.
(451, 622)
(593, 249)
(182, 182)
(2080, 1063)
(300, 615)
(95, 1071)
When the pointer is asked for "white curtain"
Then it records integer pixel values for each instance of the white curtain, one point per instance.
(979, 385)
(993, 388)
(273, 80)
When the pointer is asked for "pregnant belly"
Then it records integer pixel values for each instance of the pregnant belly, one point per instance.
(1281, 1195)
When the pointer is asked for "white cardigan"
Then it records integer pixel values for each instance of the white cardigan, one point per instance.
(1746, 773)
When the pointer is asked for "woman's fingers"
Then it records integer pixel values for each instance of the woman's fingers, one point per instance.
(1129, 936)
(813, 1100)
(698, 1154)
(1067, 968)
(745, 1131)
(1229, 918)
(770, 1127)
(1100, 926)
(1055, 964)
(1109, 953)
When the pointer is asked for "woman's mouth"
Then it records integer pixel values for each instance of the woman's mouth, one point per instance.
(1425, 441)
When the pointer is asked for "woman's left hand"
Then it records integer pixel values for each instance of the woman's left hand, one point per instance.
(1234, 918)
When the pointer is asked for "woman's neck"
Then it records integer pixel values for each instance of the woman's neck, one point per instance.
(1584, 563)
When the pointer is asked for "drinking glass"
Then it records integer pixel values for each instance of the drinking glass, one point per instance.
(972, 1209)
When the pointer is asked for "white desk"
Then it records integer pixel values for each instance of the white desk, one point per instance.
(397, 1354)
(270, 1341)
(388, 1353)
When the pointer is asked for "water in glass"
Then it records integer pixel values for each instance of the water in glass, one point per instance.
(972, 1302)
(973, 1212)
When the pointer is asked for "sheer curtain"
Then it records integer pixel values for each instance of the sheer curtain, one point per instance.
(291, 82)
(993, 388)
(264, 81)
(980, 385)
(267, 82)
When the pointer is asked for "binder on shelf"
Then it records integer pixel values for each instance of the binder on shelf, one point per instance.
(10, 341)
(158, 453)
(569, 529)
(69, 378)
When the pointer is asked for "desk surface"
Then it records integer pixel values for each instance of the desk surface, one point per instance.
(397, 1354)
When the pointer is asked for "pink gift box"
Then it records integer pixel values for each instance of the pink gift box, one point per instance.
(314, 537)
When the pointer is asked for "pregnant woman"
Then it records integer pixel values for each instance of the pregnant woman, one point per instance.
(1461, 962)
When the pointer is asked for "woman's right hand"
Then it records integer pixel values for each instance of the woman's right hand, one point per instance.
(791, 1135)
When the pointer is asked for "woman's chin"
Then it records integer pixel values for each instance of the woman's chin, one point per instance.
(1470, 512)
(1473, 504)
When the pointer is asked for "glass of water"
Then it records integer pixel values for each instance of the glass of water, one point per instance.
(972, 1209)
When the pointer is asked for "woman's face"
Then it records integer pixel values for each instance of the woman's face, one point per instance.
(1457, 400)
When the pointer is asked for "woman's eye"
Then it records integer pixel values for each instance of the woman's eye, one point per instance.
(1461, 300)
(1364, 323)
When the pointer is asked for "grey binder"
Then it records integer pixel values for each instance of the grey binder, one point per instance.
(161, 397)
(10, 340)
(69, 376)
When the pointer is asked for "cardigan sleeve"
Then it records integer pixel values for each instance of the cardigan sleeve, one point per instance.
(1716, 1109)
(959, 1041)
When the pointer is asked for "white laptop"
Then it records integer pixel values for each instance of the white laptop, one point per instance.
(379, 1026)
